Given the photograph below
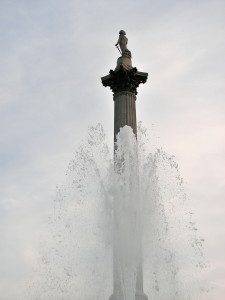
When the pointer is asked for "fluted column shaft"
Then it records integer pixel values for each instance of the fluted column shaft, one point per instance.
(124, 111)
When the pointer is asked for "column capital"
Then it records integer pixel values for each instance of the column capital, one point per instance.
(123, 80)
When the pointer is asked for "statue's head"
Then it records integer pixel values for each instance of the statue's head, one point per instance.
(122, 32)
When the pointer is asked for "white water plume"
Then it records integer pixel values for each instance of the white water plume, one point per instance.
(133, 202)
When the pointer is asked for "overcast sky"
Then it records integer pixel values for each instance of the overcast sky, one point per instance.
(52, 55)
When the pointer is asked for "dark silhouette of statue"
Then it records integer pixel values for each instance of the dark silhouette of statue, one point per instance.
(122, 42)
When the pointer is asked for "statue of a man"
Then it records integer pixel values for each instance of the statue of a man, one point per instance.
(122, 41)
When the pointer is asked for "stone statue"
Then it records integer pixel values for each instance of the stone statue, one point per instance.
(122, 41)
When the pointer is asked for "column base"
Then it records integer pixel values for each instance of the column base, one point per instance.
(138, 296)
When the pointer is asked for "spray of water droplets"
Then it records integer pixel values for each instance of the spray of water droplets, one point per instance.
(132, 200)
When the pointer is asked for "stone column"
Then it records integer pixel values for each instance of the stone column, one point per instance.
(124, 81)
(124, 111)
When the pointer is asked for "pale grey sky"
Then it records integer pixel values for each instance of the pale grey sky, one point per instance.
(53, 54)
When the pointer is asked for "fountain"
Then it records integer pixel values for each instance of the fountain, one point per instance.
(121, 218)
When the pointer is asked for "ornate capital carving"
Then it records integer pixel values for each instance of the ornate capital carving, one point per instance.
(122, 80)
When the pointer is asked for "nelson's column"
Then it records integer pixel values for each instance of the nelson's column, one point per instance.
(124, 81)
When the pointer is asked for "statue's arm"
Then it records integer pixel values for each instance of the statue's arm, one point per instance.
(118, 41)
